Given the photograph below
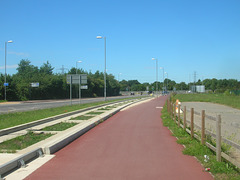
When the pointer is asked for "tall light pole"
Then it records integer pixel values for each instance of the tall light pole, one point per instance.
(5, 79)
(163, 74)
(119, 76)
(167, 80)
(105, 53)
(156, 75)
(76, 65)
(79, 90)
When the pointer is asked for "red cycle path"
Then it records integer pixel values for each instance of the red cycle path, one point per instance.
(133, 144)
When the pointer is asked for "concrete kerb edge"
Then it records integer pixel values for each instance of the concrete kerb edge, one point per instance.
(41, 121)
(10, 166)
(14, 164)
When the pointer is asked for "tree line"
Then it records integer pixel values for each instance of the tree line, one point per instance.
(54, 85)
(214, 85)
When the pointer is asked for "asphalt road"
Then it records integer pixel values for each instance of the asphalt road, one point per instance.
(133, 144)
(44, 104)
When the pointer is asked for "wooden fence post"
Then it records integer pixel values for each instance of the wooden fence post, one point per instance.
(192, 122)
(184, 117)
(179, 115)
(203, 128)
(218, 138)
(172, 111)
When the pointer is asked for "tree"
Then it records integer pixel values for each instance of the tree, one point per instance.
(46, 68)
(26, 69)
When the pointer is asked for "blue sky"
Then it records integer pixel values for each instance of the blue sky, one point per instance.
(184, 35)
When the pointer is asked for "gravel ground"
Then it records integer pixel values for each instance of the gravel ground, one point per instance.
(230, 120)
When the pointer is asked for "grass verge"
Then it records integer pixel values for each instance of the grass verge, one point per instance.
(94, 113)
(22, 142)
(14, 119)
(59, 127)
(232, 101)
(82, 118)
(220, 170)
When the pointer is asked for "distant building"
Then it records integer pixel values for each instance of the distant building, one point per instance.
(199, 88)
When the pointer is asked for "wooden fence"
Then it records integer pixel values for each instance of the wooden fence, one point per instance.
(175, 110)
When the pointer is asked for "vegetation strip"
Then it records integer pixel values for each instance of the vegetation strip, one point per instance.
(229, 100)
(94, 113)
(82, 118)
(22, 142)
(59, 127)
(18, 118)
(221, 170)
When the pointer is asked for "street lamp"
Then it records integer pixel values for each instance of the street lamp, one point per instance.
(105, 51)
(119, 76)
(167, 80)
(76, 65)
(79, 84)
(163, 74)
(156, 74)
(5, 79)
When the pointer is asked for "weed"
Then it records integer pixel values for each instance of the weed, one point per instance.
(221, 170)
(59, 127)
(94, 112)
(22, 142)
(82, 118)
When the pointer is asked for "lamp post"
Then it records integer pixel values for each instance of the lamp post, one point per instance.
(76, 65)
(163, 74)
(119, 76)
(79, 90)
(105, 51)
(167, 80)
(5, 79)
(156, 75)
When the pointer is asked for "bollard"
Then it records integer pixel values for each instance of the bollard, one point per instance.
(184, 117)
(218, 138)
(192, 121)
(203, 128)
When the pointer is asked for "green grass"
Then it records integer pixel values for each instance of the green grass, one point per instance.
(232, 101)
(82, 118)
(14, 119)
(221, 170)
(22, 142)
(94, 113)
(59, 127)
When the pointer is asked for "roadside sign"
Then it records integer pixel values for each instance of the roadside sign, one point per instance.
(76, 77)
(84, 87)
(5, 84)
(35, 84)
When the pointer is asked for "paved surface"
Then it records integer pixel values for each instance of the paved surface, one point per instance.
(133, 144)
(44, 104)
